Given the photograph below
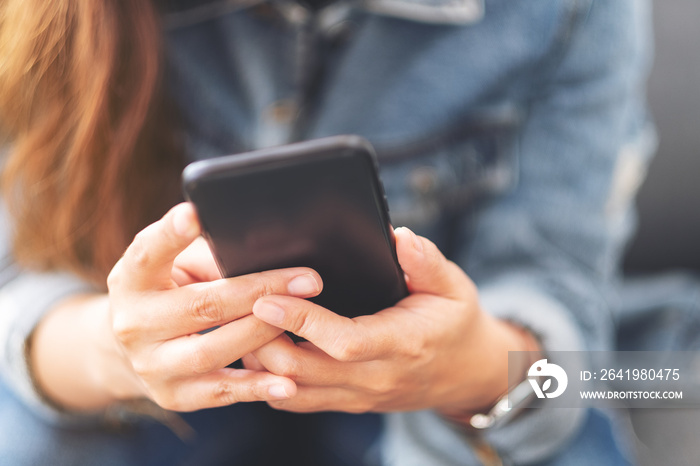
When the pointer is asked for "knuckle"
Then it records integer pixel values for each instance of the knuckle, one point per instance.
(138, 251)
(384, 384)
(348, 351)
(201, 360)
(142, 368)
(285, 366)
(302, 323)
(415, 348)
(124, 328)
(206, 307)
(262, 285)
(225, 393)
(345, 353)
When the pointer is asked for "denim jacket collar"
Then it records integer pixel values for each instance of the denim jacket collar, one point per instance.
(178, 13)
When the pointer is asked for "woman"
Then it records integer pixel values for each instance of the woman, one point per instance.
(505, 134)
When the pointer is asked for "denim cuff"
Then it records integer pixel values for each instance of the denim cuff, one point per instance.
(24, 301)
(423, 437)
(534, 310)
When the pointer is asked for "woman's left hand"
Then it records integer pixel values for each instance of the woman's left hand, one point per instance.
(435, 349)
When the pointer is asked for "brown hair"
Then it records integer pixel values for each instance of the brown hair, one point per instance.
(93, 155)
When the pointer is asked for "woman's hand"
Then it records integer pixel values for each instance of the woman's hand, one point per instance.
(434, 349)
(144, 339)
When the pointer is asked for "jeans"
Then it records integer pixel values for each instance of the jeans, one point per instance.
(596, 444)
(242, 434)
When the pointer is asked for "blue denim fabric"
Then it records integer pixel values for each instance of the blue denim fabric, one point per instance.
(659, 313)
(515, 142)
(513, 134)
(246, 434)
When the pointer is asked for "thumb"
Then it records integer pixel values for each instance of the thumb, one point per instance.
(427, 269)
(148, 261)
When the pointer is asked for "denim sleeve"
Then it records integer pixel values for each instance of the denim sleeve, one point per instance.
(25, 297)
(545, 255)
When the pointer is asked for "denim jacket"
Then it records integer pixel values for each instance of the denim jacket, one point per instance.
(513, 134)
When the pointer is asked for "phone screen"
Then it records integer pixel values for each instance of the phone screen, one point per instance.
(317, 204)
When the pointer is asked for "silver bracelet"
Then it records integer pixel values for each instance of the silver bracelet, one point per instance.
(505, 408)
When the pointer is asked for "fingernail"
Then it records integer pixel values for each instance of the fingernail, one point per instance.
(184, 222)
(269, 312)
(278, 391)
(417, 244)
(303, 285)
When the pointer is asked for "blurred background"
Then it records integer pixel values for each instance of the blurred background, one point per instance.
(668, 237)
(669, 201)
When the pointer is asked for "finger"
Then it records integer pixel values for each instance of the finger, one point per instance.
(201, 306)
(306, 364)
(226, 387)
(200, 354)
(148, 261)
(195, 264)
(427, 269)
(360, 339)
(252, 363)
(315, 399)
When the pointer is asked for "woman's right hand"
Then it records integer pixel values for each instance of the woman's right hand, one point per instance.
(148, 341)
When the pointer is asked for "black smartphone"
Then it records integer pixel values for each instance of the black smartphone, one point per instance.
(317, 204)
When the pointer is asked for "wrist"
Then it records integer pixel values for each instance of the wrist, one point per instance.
(501, 338)
(72, 357)
(111, 371)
